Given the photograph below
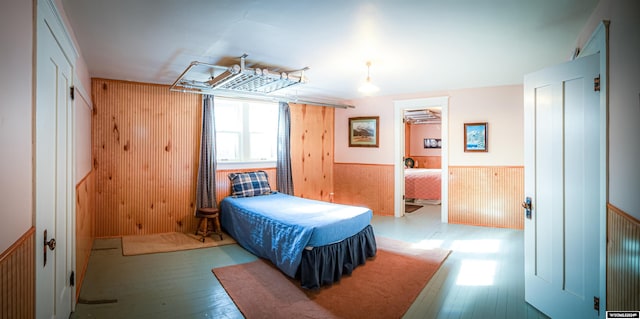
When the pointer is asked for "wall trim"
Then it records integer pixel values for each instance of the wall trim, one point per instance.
(486, 196)
(85, 177)
(82, 93)
(17, 243)
(17, 280)
(622, 270)
(363, 164)
(622, 213)
(486, 166)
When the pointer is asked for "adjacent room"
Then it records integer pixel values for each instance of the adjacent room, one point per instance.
(292, 159)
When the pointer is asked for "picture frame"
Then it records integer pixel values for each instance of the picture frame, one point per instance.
(432, 143)
(364, 131)
(475, 137)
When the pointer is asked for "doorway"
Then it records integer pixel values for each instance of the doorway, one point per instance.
(400, 107)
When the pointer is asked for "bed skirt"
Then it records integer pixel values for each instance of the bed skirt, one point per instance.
(325, 265)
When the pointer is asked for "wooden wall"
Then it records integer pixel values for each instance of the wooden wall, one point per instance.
(85, 225)
(623, 260)
(421, 161)
(486, 196)
(365, 185)
(223, 184)
(312, 151)
(407, 139)
(427, 161)
(482, 196)
(17, 278)
(145, 150)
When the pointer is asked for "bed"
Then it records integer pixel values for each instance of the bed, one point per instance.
(422, 183)
(312, 240)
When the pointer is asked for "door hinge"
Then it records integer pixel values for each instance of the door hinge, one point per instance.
(596, 304)
(72, 92)
(596, 84)
(72, 279)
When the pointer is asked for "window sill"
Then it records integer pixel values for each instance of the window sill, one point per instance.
(245, 165)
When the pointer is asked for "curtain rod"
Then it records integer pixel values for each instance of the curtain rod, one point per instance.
(251, 96)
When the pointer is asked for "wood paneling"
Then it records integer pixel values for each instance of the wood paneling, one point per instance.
(85, 225)
(427, 161)
(312, 151)
(223, 184)
(365, 185)
(486, 196)
(407, 139)
(145, 150)
(623, 260)
(17, 278)
(145, 145)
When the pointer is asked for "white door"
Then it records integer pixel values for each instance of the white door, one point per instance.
(53, 184)
(562, 163)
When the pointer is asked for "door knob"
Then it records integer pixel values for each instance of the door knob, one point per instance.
(51, 243)
(47, 243)
(527, 207)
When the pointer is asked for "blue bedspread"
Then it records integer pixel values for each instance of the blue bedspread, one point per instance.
(279, 226)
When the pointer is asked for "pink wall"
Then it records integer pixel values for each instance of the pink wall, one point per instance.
(16, 119)
(624, 99)
(374, 106)
(418, 133)
(16, 111)
(502, 107)
(82, 104)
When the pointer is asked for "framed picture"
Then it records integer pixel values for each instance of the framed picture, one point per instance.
(432, 143)
(363, 131)
(475, 137)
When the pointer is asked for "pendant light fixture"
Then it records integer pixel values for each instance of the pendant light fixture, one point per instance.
(367, 87)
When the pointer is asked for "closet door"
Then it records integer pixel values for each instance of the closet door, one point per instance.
(562, 180)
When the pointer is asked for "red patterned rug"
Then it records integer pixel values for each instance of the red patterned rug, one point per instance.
(384, 287)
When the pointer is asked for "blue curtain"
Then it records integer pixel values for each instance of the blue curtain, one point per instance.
(206, 187)
(284, 179)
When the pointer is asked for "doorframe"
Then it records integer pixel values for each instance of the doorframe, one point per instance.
(599, 43)
(398, 126)
(48, 14)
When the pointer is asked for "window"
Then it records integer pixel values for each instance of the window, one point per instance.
(246, 131)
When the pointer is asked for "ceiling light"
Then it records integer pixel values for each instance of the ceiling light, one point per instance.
(367, 87)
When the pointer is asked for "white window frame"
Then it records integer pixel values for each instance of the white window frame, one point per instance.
(245, 138)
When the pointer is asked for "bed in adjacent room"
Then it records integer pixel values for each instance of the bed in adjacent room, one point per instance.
(312, 240)
(422, 183)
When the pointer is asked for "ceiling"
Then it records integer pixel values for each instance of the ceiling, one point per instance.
(432, 115)
(414, 46)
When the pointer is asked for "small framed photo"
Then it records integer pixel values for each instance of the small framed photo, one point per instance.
(475, 137)
(432, 143)
(363, 131)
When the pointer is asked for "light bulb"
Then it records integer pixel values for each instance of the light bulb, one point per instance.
(367, 87)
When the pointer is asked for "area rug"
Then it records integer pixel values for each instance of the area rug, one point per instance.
(166, 242)
(384, 287)
(408, 208)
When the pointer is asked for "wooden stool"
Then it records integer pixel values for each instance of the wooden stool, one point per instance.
(205, 214)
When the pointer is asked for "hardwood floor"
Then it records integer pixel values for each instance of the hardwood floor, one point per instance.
(482, 278)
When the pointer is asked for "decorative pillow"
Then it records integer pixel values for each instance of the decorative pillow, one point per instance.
(249, 184)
